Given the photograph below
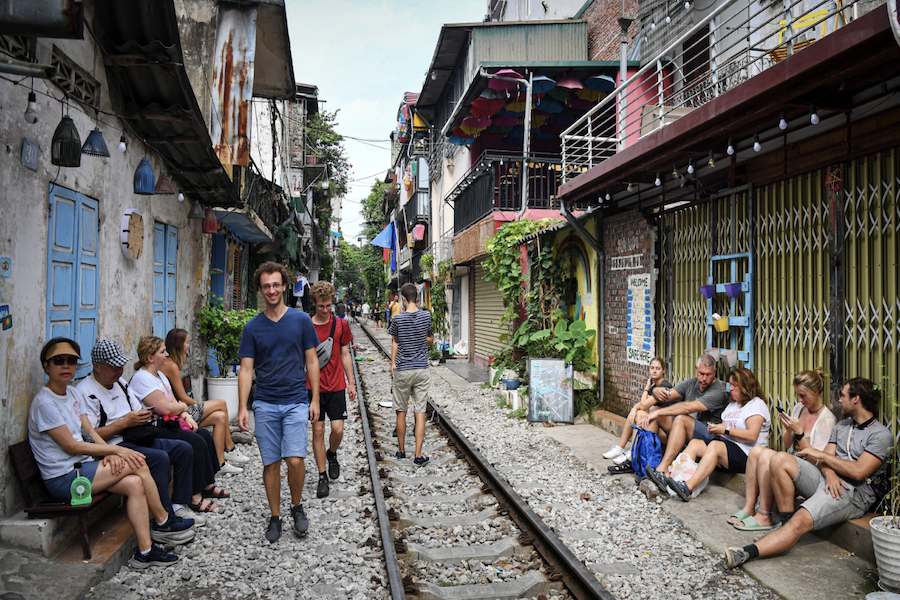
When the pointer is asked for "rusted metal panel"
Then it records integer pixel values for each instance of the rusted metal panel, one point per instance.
(42, 18)
(232, 85)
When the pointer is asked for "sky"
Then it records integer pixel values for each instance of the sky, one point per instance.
(363, 55)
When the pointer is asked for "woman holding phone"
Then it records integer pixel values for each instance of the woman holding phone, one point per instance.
(809, 425)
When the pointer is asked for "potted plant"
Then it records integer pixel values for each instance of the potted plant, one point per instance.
(434, 355)
(222, 329)
(885, 529)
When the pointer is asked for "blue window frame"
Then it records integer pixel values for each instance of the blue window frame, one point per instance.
(73, 270)
(165, 268)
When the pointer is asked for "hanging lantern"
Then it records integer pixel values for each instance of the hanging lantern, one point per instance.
(164, 186)
(196, 212)
(65, 149)
(144, 179)
(210, 225)
(95, 145)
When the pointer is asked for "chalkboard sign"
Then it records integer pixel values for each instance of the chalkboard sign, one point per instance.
(550, 392)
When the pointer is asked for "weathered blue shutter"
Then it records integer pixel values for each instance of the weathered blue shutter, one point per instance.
(72, 270)
(159, 280)
(171, 279)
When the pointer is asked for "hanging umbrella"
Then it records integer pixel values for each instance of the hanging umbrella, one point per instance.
(542, 84)
(569, 82)
(497, 84)
(459, 131)
(470, 131)
(480, 113)
(489, 94)
(475, 123)
(589, 95)
(516, 107)
(561, 95)
(495, 129)
(505, 121)
(582, 105)
(508, 113)
(487, 105)
(601, 83)
(538, 120)
(540, 134)
(553, 129)
(549, 106)
(562, 119)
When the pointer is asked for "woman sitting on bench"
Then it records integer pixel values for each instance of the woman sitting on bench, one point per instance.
(809, 425)
(745, 424)
(55, 421)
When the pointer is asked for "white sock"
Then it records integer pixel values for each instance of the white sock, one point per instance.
(177, 507)
(164, 522)
(147, 551)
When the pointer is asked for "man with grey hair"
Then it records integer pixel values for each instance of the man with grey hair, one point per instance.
(686, 409)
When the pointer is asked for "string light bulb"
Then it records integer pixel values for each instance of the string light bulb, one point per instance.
(730, 149)
(122, 144)
(181, 196)
(608, 197)
(674, 170)
(711, 162)
(756, 145)
(690, 168)
(30, 115)
(687, 5)
(782, 123)
(658, 181)
(630, 187)
(668, 19)
(652, 26)
(813, 115)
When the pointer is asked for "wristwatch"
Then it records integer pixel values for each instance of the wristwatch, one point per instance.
(726, 431)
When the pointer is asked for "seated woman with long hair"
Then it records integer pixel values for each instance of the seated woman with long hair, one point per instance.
(809, 425)
(211, 413)
(745, 424)
(152, 387)
(55, 421)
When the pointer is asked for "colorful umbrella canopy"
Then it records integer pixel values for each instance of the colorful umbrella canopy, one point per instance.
(497, 129)
(516, 107)
(459, 141)
(569, 82)
(549, 106)
(560, 94)
(458, 131)
(489, 106)
(538, 120)
(475, 123)
(589, 95)
(542, 84)
(562, 119)
(489, 94)
(471, 131)
(508, 113)
(582, 105)
(497, 84)
(505, 121)
(601, 83)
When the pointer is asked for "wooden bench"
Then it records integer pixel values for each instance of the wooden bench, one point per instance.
(38, 503)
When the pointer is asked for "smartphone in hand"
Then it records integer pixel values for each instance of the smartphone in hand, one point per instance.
(779, 408)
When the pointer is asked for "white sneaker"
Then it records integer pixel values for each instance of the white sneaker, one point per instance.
(230, 469)
(615, 451)
(235, 456)
(186, 513)
(622, 458)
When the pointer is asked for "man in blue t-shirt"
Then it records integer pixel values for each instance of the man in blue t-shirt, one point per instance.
(411, 332)
(278, 344)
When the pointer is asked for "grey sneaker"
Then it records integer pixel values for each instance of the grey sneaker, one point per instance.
(186, 513)
(157, 557)
(322, 488)
(656, 477)
(273, 531)
(172, 537)
(301, 525)
(334, 469)
(735, 557)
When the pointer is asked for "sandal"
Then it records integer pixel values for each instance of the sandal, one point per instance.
(215, 492)
(211, 507)
(750, 524)
(738, 517)
(621, 469)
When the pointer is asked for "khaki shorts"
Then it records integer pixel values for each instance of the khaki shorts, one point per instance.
(414, 383)
(824, 509)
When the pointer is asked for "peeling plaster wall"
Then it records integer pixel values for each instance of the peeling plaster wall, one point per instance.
(125, 287)
(197, 28)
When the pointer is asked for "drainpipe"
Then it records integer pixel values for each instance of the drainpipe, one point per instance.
(624, 24)
(894, 18)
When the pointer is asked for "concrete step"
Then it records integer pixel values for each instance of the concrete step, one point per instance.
(527, 586)
(486, 553)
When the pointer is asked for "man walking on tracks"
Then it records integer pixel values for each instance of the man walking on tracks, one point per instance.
(278, 343)
(335, 354)
(411, 331)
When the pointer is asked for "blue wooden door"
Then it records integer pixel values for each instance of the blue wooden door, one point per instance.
(72, 270)
(165, 263)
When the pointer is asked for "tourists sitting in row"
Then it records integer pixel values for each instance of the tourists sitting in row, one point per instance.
(648, 402)
(745, 424)
(55, 422)
(839, 483)
(150, 386)
(809, 425)
(114, 415)
(211, 413)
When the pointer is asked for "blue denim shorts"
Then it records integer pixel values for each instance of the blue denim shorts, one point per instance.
(281, 430)
(61, 487)
(701, 433)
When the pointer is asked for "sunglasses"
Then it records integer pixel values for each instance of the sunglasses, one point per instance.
(64, 360)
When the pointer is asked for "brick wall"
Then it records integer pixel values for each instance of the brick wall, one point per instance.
(603, 30)
(628, 241)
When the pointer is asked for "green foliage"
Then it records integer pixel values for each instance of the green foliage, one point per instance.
(325, 143)
(350, 274)
(426, 263)
(222, 330)
(374, 277)
(519, 413)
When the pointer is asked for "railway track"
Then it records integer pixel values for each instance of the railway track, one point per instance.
(457, 529)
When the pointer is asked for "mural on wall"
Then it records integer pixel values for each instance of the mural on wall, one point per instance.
(575, 247)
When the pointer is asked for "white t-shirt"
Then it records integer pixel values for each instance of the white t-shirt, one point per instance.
(365, 309)
(735, 417)
(49, 411)
(821, 430)
(115, 404)
(143, 384)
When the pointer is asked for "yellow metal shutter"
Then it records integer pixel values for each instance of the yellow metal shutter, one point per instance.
(488, 310)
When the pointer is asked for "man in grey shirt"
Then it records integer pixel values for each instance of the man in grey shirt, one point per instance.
(692, 405)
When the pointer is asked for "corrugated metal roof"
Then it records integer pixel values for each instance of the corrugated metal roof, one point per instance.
(142, 49)
(523, 42)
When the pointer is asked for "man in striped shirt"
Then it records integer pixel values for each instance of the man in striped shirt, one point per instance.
(411, 332)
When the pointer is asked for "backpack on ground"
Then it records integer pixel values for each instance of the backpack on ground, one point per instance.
(646, 450)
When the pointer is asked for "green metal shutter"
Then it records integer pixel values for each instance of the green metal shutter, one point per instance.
(488, 310)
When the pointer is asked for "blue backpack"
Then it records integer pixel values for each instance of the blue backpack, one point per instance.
(646, 450)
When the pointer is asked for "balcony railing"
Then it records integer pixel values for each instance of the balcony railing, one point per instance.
(495, 183)
(418, 209)
(734, 42)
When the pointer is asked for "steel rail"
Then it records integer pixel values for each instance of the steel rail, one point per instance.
(580, 582)
(391, 562)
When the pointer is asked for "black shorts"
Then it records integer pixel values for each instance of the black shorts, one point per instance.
(737, 460)
(333, 404)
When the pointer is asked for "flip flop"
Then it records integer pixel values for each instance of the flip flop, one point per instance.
(621, 469)
(215, 492)
(211, 507)
(738, 517)
(750, 524)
